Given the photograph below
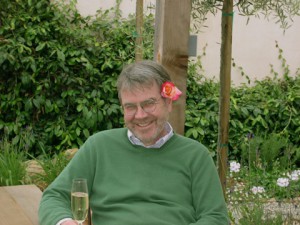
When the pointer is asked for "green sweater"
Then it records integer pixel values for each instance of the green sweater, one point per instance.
(176, 184)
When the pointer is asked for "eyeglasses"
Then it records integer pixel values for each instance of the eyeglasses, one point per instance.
(147, 106)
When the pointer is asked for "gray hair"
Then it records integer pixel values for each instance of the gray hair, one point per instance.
(141, 74)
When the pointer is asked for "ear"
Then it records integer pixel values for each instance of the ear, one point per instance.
(169, 104)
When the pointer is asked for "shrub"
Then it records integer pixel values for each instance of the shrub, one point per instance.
(58, 71)
(265, 109)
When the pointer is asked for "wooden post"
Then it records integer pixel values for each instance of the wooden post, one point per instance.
(172, 25)
(225, 80)
(139, 30)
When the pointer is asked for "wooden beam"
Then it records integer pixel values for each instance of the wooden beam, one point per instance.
(139, 30)
(172, 25)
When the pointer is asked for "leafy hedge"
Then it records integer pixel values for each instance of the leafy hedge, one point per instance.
(58, 73)
(268, 111)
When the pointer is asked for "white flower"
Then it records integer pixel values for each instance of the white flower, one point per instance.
(283, 182)
(235, 166)
(261, 190)
(294, 175)
(255, 190)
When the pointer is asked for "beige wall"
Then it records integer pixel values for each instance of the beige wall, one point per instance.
(253, 47)
(89, 7)
(253, 43)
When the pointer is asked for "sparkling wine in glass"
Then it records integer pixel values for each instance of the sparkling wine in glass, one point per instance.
(79, 200)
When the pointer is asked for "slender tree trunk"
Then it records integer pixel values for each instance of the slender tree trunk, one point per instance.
(139, 30)
(225, 79)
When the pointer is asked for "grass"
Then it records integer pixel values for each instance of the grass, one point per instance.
(51, 167)
(12, 169)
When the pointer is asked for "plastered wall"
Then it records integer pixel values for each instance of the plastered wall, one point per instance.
(253, 46)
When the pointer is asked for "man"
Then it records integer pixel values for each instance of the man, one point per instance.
(144, 174)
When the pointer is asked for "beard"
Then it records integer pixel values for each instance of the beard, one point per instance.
(150, 133)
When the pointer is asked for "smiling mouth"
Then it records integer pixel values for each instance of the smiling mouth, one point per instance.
(143, 124)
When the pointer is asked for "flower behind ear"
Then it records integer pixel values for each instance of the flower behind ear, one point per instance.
(169, 90)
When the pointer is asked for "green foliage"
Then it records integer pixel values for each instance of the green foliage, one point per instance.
(264, 152)
(202, 108)
(268, 107)
(52, 167)
(58, 71)
(281, 11)
(254, 214)
(12, 168)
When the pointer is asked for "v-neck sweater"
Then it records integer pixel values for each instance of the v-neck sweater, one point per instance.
(176, 184)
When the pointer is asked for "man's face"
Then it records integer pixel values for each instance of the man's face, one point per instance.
(146, 113)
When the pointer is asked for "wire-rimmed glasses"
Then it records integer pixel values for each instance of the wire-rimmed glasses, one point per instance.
(147, 106)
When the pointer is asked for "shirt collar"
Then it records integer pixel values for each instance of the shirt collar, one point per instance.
(160, 142)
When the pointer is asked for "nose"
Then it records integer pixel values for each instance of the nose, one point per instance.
(140, 113)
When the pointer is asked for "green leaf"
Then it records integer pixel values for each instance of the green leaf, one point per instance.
(86, 133)
(195, 133)
(16, 140)
(60, 55)
(13, 24)
(28, 105)
(256, 111)
(245, 111)
(40, 46)
(200, 131)
(33, 66)
(232, 122)
(36, 103)
(79, 108)
(78, 131)
(48, 106)
(20, 49)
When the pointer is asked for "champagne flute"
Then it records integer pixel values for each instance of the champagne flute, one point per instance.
(79, 199)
